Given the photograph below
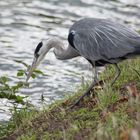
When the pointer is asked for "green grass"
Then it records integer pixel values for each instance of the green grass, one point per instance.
(112, 114)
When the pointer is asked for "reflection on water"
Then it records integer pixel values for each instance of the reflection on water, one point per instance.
(24, 23)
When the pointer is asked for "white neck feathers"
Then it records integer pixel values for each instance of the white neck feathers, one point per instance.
(59, 50)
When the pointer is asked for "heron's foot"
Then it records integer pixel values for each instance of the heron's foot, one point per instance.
(87, 93)
(80, 99)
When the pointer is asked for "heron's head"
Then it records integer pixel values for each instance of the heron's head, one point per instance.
(41, 50)
(39, 53)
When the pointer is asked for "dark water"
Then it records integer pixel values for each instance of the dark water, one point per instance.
(24, 23)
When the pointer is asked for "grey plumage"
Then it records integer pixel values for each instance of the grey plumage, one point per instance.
(101, 39)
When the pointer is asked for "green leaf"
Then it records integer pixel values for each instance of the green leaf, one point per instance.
(33, 76)
(3, 79)
(20, 84)
(14, 88)
(38, 72)
(20, 73)
(18, 61)
(19, 99)
(16, 98)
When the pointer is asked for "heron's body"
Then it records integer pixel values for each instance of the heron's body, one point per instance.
(100, 41)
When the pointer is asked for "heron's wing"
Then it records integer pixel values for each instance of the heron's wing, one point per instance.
(105, 43)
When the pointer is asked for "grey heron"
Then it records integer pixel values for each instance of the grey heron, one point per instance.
(100, 41)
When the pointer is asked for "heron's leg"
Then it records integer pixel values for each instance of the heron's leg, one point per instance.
(95, 74)
(95, 80)
(117, 74)
(88, 91)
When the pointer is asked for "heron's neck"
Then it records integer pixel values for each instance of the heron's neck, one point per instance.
(61, 52)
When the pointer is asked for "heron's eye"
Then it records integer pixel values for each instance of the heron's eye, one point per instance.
(38, 48)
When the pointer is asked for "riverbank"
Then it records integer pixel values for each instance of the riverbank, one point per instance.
(112, 113)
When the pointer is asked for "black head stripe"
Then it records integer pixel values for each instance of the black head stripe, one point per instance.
(71, 38)
(38, 47)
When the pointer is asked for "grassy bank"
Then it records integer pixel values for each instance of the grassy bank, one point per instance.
(112, 113)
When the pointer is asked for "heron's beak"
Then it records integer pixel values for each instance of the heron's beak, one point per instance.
(31, 68)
